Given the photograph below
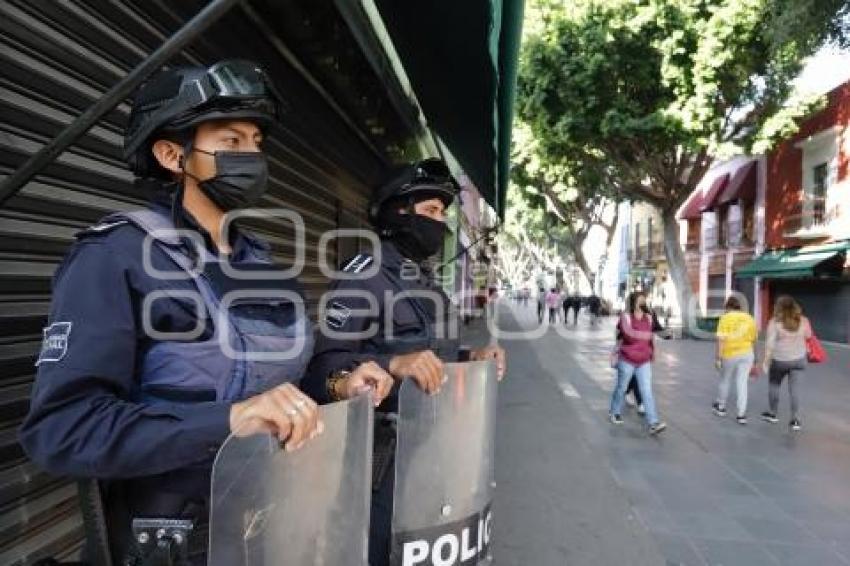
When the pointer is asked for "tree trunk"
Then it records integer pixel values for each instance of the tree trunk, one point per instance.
(581, 260)
(678, 267)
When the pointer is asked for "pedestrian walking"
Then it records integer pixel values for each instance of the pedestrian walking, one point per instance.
(575, 306)
(553, 302)
(594, 305)
(541, 304)
(785, 355)
(659, 329)
(633, 356)
(734, 356)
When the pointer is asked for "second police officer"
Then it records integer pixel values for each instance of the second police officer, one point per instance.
(386, 308)
(147, 365)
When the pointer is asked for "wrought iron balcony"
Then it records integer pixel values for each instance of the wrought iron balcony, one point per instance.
(810, 218)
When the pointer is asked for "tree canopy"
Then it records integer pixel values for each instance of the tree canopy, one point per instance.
(641, 96)
(647, 93)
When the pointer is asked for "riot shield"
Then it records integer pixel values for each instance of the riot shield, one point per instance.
(444, 470)
(306, 508)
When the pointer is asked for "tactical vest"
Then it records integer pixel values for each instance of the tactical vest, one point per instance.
(262, 336)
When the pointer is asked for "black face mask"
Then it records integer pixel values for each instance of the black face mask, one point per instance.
(418, 237)
(240, 180)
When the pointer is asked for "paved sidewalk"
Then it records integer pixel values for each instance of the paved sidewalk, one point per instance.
(574, 490)
(556, 502)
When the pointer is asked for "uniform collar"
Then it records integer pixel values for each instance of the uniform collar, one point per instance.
(392, 256)
(395, 261)
(244, 245)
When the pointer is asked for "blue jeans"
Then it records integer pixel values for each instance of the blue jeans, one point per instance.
(643, 375)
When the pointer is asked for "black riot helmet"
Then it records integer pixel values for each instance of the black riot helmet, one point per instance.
(173, 101)
(413, 183)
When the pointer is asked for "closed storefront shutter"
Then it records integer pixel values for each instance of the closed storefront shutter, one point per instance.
(747, 288)
(826, 304)
(57, 59)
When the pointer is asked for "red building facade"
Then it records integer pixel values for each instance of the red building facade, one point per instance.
(779, 224)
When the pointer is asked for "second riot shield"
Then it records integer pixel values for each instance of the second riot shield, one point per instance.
(303, 508)
(444, 470)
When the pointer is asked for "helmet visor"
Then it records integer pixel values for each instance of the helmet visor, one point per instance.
(227, 87)
(431, 175)
(432, 170)
(238, 78)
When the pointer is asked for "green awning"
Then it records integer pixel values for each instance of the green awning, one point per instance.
(799, 263)
(461, 59)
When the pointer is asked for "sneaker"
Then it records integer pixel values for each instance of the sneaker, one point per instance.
(742, 419)
(769, 417)
(719, 409)
(641, 409)
(795, 424)
(616, 419)
(657, 427)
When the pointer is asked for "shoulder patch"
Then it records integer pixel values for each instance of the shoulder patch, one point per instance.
(337, 314)
(358, 263)
(54, 344)
(101, 228)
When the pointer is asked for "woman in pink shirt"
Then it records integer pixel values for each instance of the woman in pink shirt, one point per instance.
(633, 356)
(553, 301)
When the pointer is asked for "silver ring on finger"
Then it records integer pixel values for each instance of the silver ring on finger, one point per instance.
(300, 404)
(291, 412)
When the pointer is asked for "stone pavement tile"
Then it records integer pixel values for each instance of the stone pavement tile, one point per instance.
(638, 497)
(795, 555)
(843, 550)
(655, 518)
(734, 553)
(836, 532)
(709, 525)
(684, 500)
(756, 506)
(678, 550)
(804, 509)
(777, 530)
(755, 468)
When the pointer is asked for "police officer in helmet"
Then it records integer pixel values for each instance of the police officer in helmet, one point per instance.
(141, 375)
(388, 310)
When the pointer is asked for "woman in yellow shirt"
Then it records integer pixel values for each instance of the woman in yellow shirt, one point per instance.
(736, 336)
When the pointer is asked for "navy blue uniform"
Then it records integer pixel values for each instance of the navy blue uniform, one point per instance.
(148, 414)
(410, 313)
(403, 322)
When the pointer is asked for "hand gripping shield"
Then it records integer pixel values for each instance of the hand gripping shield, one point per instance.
(305, 508)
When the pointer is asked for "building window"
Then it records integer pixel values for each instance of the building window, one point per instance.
(649, 252)
(817, 195)
(694, 231)
(748, 213)
(637, 241)
(723, 227)
(709, 231)
(817, 204)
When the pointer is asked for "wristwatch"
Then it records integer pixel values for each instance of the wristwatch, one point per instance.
(333, 380)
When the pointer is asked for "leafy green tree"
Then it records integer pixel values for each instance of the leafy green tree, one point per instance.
(574, 199)
(644, 95)
(529, 241)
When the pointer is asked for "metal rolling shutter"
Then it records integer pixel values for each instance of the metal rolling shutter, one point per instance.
(747, 288)
(57, 58)
(826, 303)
